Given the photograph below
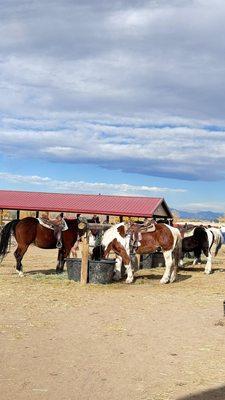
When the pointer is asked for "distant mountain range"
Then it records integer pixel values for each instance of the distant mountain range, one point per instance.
(199, 215)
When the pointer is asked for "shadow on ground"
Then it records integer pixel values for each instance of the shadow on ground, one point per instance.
(197, 269)
(158, 277)
(42, 272)
(212, 394)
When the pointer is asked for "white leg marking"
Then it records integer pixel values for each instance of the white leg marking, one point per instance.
(20, 273)
(130, 276)
(117, 274)
(181, 263)
(168, 262)
(173, 276)
(208, 267)
(196, 261)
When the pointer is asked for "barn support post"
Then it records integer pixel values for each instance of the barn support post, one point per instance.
(1, 216)
(17, 214)
(121, 218)
(37, 214)
(84, 262)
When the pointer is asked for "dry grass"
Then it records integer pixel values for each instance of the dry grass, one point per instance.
(145, 341)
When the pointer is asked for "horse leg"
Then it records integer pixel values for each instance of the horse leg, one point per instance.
(19, 253)
(122, 253)
(197, 254)
(169, 263)
(177, 254)
(181, 261)
(62, 254)
(130, 276)
(208, 266)
(117, 271)
(127, 265)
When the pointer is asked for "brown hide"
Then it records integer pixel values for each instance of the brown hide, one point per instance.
(28, 231)
(151, 241)
(121, 230)
(119, 250)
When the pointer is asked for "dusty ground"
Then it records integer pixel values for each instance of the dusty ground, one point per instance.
(145, 341)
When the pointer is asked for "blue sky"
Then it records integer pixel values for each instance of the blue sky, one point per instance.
(124, 98)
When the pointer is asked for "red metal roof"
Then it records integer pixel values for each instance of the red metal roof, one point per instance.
(82, 203)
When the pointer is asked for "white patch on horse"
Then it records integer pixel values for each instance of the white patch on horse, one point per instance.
(20, 273)
(112, 234)
(172, 261)
(214, 237)
(176, 235)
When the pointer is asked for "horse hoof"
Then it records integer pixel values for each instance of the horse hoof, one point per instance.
(207, 272)
(20, 273)
(164, 280)
(117, 276)
(59, 271)
(129, 280)
(172, 279)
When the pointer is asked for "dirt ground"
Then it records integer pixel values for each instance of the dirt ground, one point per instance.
(145, 341)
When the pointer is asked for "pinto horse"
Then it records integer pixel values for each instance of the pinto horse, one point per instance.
(116, 239)
(29, 230)
(164, 237)
(204, 240)
(167, 239)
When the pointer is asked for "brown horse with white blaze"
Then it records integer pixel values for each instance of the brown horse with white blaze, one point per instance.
(29, 230)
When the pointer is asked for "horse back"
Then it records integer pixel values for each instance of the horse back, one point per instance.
(26, 230)
(163, 237)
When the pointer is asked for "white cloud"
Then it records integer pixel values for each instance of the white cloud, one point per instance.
(87, 187)
(204, 206)
(183, 152)
(133, 86)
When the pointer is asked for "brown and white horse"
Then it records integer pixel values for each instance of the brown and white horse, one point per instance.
(28, 230)
(166, 238)
(117, 240)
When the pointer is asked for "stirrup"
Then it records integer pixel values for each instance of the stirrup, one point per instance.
(59, 245)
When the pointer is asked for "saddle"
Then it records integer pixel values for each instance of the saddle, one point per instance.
(57, 226)
(148, 226)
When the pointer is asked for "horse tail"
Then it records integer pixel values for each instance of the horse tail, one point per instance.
(5, 236)
(218, 244)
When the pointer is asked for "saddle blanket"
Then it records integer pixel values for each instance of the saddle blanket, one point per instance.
(51, 225)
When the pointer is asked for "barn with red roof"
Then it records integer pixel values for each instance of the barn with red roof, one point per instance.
(122, 206)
